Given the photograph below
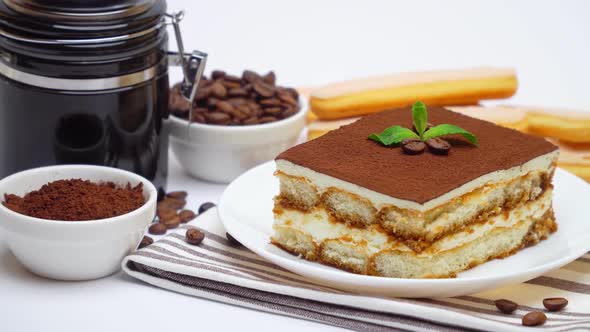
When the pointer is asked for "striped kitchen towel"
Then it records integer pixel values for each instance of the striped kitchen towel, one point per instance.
(220, 271)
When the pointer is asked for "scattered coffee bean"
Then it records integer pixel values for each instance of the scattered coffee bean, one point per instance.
(232, 240)
(186, 216)
(145, 241)
(229, 100)
(174, 203)
(205, 206)
(534, 318)
(177, 194)
(194, 236)
(413, 147)
(171, 223)
(438, 146)
(157, 229)
(506, 306)
(555, 303)
(166, 212)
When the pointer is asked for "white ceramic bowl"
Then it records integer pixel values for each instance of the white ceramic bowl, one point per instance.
(70, 250)
(221, 153)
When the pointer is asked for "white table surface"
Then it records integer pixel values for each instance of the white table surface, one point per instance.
(120, 303)
(309, 43)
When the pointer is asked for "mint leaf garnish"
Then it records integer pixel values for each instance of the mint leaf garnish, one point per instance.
(396, 134)
(449, 129)
(393, 135)
(420, 116)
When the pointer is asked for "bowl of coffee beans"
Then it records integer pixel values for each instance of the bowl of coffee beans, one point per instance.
(234, 124)
(75, 222)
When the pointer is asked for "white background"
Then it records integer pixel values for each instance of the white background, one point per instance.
(309, 43)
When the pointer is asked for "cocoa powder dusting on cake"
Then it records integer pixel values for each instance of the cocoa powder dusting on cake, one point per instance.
(347, 154)
(77, 200)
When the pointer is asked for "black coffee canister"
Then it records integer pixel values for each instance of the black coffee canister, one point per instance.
(87, 82)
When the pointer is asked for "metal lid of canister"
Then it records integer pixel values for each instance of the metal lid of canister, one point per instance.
(78, 22)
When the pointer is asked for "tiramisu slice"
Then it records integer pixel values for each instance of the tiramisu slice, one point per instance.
(419, 210)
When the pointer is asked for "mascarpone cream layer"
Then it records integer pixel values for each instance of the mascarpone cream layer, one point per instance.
(320, 227)
(322, 182)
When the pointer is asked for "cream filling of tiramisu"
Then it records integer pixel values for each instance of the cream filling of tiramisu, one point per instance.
(318, 224)
(322, 182)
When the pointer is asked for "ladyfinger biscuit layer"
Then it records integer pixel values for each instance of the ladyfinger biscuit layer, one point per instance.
(451, 87)
(316, 236)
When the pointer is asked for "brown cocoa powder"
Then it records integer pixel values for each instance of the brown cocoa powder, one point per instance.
(77, 200)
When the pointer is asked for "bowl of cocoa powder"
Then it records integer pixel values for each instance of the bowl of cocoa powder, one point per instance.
(235, 123)
(75, 222)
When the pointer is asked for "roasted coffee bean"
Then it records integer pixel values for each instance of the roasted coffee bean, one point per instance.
(270, 78)
(217, 118)
(225, 106)
(205, 206)
(251, 121)
(506, 306)
(194, 236)
(218, 90)
(202, 93)
(237, 101)
(186, 216)
(270, 102)
(199, 117)
(287, 98)
(237, 92)
(232, 240)
(408, 140)
(248, 87)
(238, 115)
(145, 241)
(166, 212)
(171, 222)
(555, 303)
(247, 100)
(216, 74)
(250, 77)
(289, 111)
(157, 229)
(263, 89)
(231, 85)
(267, 119)
(179, 194)
(274, 111)
(413, 147)
(438, 146)
(246, 110)
(212, 103)
(534, 318)
(174, 203)
(293, 92)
